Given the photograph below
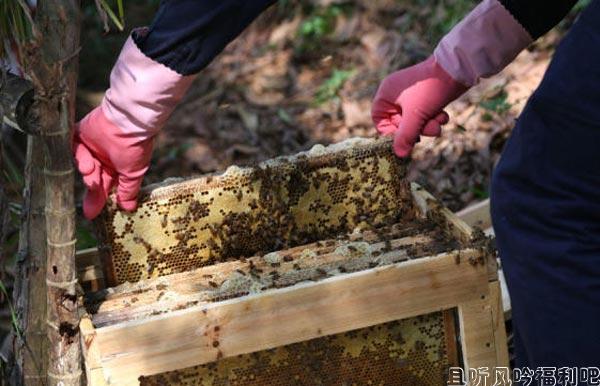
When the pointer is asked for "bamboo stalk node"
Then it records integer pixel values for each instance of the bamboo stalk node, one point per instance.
(56, 133)
(71, 375)
(59, 212)
(65, 244)
(58, 173)
(61, 284)
(52, 325)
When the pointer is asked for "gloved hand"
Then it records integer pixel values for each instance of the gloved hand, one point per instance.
(106, 157)
(410, 102)
(113, 144)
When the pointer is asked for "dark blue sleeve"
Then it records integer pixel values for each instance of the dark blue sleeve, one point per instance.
(538, 16)
(187, 34)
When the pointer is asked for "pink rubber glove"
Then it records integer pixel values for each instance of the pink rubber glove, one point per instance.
(113, 144)
(410, 103)
(106, 157)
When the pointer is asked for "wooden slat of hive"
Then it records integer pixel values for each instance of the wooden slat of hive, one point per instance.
(280, 203)
(477, 215)
(209, 331)
(275, 270)
(412, 351)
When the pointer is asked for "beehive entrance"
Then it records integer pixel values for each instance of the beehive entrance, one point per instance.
(278, 204)
(414, 351)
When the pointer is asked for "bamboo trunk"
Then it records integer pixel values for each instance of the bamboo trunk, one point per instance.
(30, 284)
(29, 291)
(54, 74)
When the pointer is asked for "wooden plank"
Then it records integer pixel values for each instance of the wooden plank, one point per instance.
(87, 257)
(278, 317)
(483, 333)
(477, 332)
(498, 324)
(477, 215)
(228, 280)
(451, 337)
(91, 354)
(89, 269)
(431, 207)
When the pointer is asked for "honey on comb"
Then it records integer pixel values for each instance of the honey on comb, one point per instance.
(288, 201)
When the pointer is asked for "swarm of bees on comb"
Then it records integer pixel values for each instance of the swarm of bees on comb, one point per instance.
(280, 203)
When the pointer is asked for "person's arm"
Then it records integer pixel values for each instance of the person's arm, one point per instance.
(113, 143)
(410, 102)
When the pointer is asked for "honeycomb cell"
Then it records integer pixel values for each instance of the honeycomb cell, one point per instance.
(280, 203)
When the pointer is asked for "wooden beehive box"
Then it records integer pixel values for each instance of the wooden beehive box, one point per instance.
(325, 268)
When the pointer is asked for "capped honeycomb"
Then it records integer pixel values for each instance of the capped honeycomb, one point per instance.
(410, 352)
(280, 203)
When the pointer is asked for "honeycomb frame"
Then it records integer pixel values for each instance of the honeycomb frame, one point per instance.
(181, 225)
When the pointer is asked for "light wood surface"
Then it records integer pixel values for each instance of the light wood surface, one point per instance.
(205, 333)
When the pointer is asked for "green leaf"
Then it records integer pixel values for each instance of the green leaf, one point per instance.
(115, 19)
(121, 11)
(329, 89)
(480, 192)
(497, 104)
(85, 238)
(13, 314)
(284, 116)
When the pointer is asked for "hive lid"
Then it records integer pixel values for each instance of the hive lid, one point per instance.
(284, 202)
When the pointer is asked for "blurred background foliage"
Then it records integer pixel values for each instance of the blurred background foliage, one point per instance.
(318, 23)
